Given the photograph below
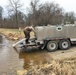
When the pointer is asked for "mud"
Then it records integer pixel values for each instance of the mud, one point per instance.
(12, 60)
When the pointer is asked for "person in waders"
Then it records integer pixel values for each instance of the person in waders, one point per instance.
(27, 31)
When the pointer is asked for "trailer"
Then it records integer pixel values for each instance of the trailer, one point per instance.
(53, 37)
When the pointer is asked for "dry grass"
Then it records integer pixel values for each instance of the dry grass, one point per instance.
(55, 67)
(13, 34)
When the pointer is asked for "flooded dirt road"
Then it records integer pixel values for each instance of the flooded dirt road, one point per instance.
(11, 61)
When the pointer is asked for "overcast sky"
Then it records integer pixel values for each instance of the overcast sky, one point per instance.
(68, 5)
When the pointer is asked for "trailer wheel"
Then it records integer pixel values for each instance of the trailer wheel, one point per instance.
(64, 44)
(52, 46)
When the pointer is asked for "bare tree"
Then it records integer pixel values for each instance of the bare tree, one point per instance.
(15, 6)
(69, 17)
(33, 12)
(43, 14)
(1, 13)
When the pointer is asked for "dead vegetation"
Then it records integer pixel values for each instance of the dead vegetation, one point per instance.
(12, 34)
(55, 67)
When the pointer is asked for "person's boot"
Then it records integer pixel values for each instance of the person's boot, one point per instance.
(27, 41)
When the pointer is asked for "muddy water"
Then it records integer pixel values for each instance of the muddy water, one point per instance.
(11, 61)
(33, 58)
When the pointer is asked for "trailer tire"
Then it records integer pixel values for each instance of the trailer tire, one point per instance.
(52, 46)
(64, 44)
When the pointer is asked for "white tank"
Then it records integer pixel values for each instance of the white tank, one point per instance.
(48, 32)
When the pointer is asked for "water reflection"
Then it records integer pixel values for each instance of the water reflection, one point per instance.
(8, 57)
(26, 59)
(32, 58)
(18, 58)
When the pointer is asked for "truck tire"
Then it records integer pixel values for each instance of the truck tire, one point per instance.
(52, 46)
(64, 44)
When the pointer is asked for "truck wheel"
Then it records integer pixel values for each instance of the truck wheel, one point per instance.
(64, 44)
(52, 46)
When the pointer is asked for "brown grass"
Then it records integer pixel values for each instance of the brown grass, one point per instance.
(55, 67)
(13, 34)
